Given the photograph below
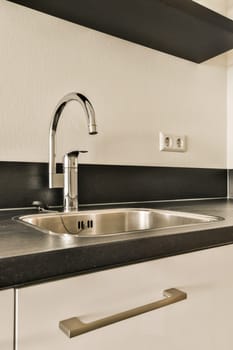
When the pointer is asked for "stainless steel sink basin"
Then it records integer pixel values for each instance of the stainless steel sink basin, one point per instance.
(113, 221)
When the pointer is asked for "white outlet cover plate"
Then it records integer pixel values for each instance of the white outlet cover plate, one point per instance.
(172, 143)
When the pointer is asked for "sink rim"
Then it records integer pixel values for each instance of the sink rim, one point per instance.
(209, 220)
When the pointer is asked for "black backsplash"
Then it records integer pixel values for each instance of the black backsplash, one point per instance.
(21, 183)
(230, 182)
(111, 183)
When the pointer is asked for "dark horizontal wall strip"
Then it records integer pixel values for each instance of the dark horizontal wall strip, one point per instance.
(113, 183)
(21, 183)
(230, 181)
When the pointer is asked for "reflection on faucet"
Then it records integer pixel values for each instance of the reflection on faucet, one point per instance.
(68, 180)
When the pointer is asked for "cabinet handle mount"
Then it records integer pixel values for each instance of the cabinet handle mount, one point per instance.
(74, 326)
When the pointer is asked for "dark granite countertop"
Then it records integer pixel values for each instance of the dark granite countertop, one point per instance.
(30, 256)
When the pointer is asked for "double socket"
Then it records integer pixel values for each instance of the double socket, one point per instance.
(172, 143)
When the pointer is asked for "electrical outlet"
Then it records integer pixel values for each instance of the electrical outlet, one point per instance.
(179, 144)
(172, 143)
(165, 142)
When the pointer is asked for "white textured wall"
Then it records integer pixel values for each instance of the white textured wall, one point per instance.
(136, 93)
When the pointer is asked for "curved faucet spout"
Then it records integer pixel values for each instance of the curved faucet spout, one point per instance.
(86, 104)
(55, 179)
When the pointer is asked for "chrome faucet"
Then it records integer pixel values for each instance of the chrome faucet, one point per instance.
(69, 179)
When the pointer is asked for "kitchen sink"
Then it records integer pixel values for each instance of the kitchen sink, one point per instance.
(112, 221)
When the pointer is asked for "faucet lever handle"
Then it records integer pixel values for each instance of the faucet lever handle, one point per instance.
(71, 159)
(75, 153)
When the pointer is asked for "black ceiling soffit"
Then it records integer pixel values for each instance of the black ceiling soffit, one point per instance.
(181, 28)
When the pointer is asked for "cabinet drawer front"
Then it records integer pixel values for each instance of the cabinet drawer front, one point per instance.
(203, 321)
(6, 319)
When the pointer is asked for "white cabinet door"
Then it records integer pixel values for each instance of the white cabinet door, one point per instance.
(203, 321)
(6, 319)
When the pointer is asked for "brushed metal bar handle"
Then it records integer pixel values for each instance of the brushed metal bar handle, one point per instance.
(74, 326)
